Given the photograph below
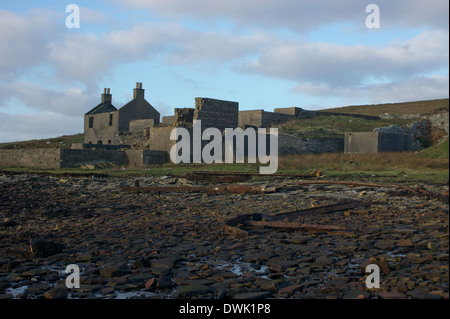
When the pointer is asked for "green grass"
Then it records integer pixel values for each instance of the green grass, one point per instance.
(437, 151)
(416, 107)
(388, 167)
(406, 167)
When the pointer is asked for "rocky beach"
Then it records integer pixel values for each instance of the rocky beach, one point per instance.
(173, 245)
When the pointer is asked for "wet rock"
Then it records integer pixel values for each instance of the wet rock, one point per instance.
(165, 282)
(150, 284)
(37, 288)
(405, 243)
(192, 290)
(289, 290)
(252, 295)
(323, 261)
(167, 262)
(57, 292)
(40, 248)
(113, 270)
(379, 261)
(391, 295)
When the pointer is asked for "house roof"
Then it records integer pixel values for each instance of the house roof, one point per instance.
(102, 108)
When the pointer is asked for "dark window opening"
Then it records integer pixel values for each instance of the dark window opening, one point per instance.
(110, 119)
(109, 141)
(99, 142)
(91, 122)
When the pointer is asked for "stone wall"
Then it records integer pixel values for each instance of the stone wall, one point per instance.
(216, 113)
(75, 158)
(261, 118)
(292, 144)
(141, 125)
(134, 139)
(168, 120)
(141, 158)
(183, 115)
(44, 158)
(439, 120)
(53, 158)
(295, 111)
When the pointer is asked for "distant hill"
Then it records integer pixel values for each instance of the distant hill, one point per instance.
(319, 127)
(417, 107)
(64, 141)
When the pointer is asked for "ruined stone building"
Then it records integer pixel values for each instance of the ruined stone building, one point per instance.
(103, 123)
(137, 124)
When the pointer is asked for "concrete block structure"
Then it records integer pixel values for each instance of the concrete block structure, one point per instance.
(216, 113)
(376, 142)
(261, 118)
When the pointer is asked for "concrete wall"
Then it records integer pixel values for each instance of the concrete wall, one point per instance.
(394, 142)
(160, 139)
(261, 118)
(216, 113)
(376, 142)
(74, 158)
(253, 118)
(295, 111)
(168, 119)
(141, 158)
(44, 158)
(361, 142)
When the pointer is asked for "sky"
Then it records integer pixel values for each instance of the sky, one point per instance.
(264, 54)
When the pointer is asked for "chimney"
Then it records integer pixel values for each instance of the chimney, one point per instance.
(106, 96)
(138, 92)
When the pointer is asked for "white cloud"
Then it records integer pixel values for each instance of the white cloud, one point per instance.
(70, 101)
(23, 39)
(332, 64)
(299, 15)
(19, 127)
(412, 89)
(56, 70)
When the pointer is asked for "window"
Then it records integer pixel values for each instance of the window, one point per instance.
(91, 122)
(99, 142)
(110, 119)
(109, 141)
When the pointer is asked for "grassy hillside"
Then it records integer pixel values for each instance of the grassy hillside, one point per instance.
(437, 151)
(318, 127)
(334, 126)
(417, 107)
(64, 141)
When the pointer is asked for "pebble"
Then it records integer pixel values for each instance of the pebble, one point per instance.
(172, 245)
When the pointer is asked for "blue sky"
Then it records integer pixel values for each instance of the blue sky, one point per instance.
(263, 54)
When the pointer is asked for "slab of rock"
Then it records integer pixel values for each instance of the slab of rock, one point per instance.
(40, 248)
(57, 292)
(192, 290)
(252, 295)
